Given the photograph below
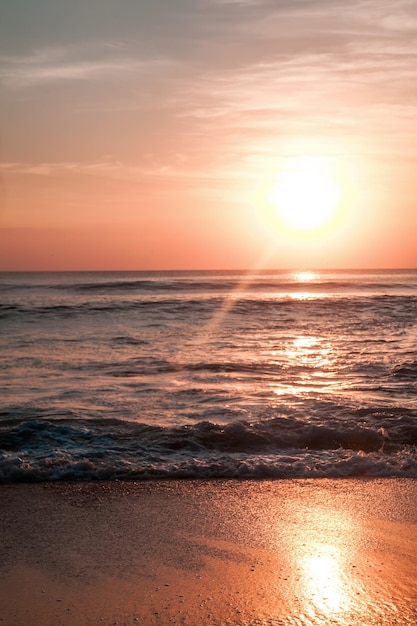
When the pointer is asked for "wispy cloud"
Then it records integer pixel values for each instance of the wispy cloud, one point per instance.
(73, 64)
(177, 168)
(223, 77)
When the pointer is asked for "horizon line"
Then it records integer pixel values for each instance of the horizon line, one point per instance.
(240, 270)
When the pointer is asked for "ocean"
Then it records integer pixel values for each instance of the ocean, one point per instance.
(211, 374)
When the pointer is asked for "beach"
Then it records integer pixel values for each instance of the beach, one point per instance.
(303, 552)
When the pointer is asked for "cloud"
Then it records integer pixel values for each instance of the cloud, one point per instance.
(115, 170)
(218, 77)
(73, 64)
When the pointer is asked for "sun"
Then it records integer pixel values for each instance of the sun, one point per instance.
(306, 195)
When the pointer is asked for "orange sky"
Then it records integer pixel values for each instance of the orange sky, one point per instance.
(139, 135)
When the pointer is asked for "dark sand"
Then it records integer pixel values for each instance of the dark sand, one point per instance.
(302, 552)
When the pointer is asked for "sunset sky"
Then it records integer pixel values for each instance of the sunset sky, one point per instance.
(150, 134)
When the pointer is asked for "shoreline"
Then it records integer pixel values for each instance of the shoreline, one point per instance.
(218, 552)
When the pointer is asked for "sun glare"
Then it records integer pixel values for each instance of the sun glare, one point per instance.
(304, 277)
(305, 195)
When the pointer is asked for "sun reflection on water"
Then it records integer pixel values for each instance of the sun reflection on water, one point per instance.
(305, 277)
(308, 364)
(301, 295)
(312, 353)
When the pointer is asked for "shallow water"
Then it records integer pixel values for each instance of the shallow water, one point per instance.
(208, 374)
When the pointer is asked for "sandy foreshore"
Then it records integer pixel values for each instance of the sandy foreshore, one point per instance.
(296, 552)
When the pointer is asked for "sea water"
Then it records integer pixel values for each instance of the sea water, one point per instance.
(208, 374)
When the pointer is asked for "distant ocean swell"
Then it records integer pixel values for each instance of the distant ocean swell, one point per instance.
(239, 282)
(65, 310)
(282, 447)
(387, 306)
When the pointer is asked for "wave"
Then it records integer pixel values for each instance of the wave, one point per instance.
(406, 371)
(225, 282)
(10, 311)
(46, 449)
(320, 305)
(212, 285)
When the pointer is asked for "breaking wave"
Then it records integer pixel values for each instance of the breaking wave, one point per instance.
(41, 449)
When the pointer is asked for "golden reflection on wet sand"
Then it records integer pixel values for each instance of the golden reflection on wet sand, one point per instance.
(324, 547)
(218, 553)
(344, 569)
(323, 579)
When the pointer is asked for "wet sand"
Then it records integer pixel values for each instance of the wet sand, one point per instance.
(296, 552)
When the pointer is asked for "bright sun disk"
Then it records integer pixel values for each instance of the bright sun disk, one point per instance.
(305, 194)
